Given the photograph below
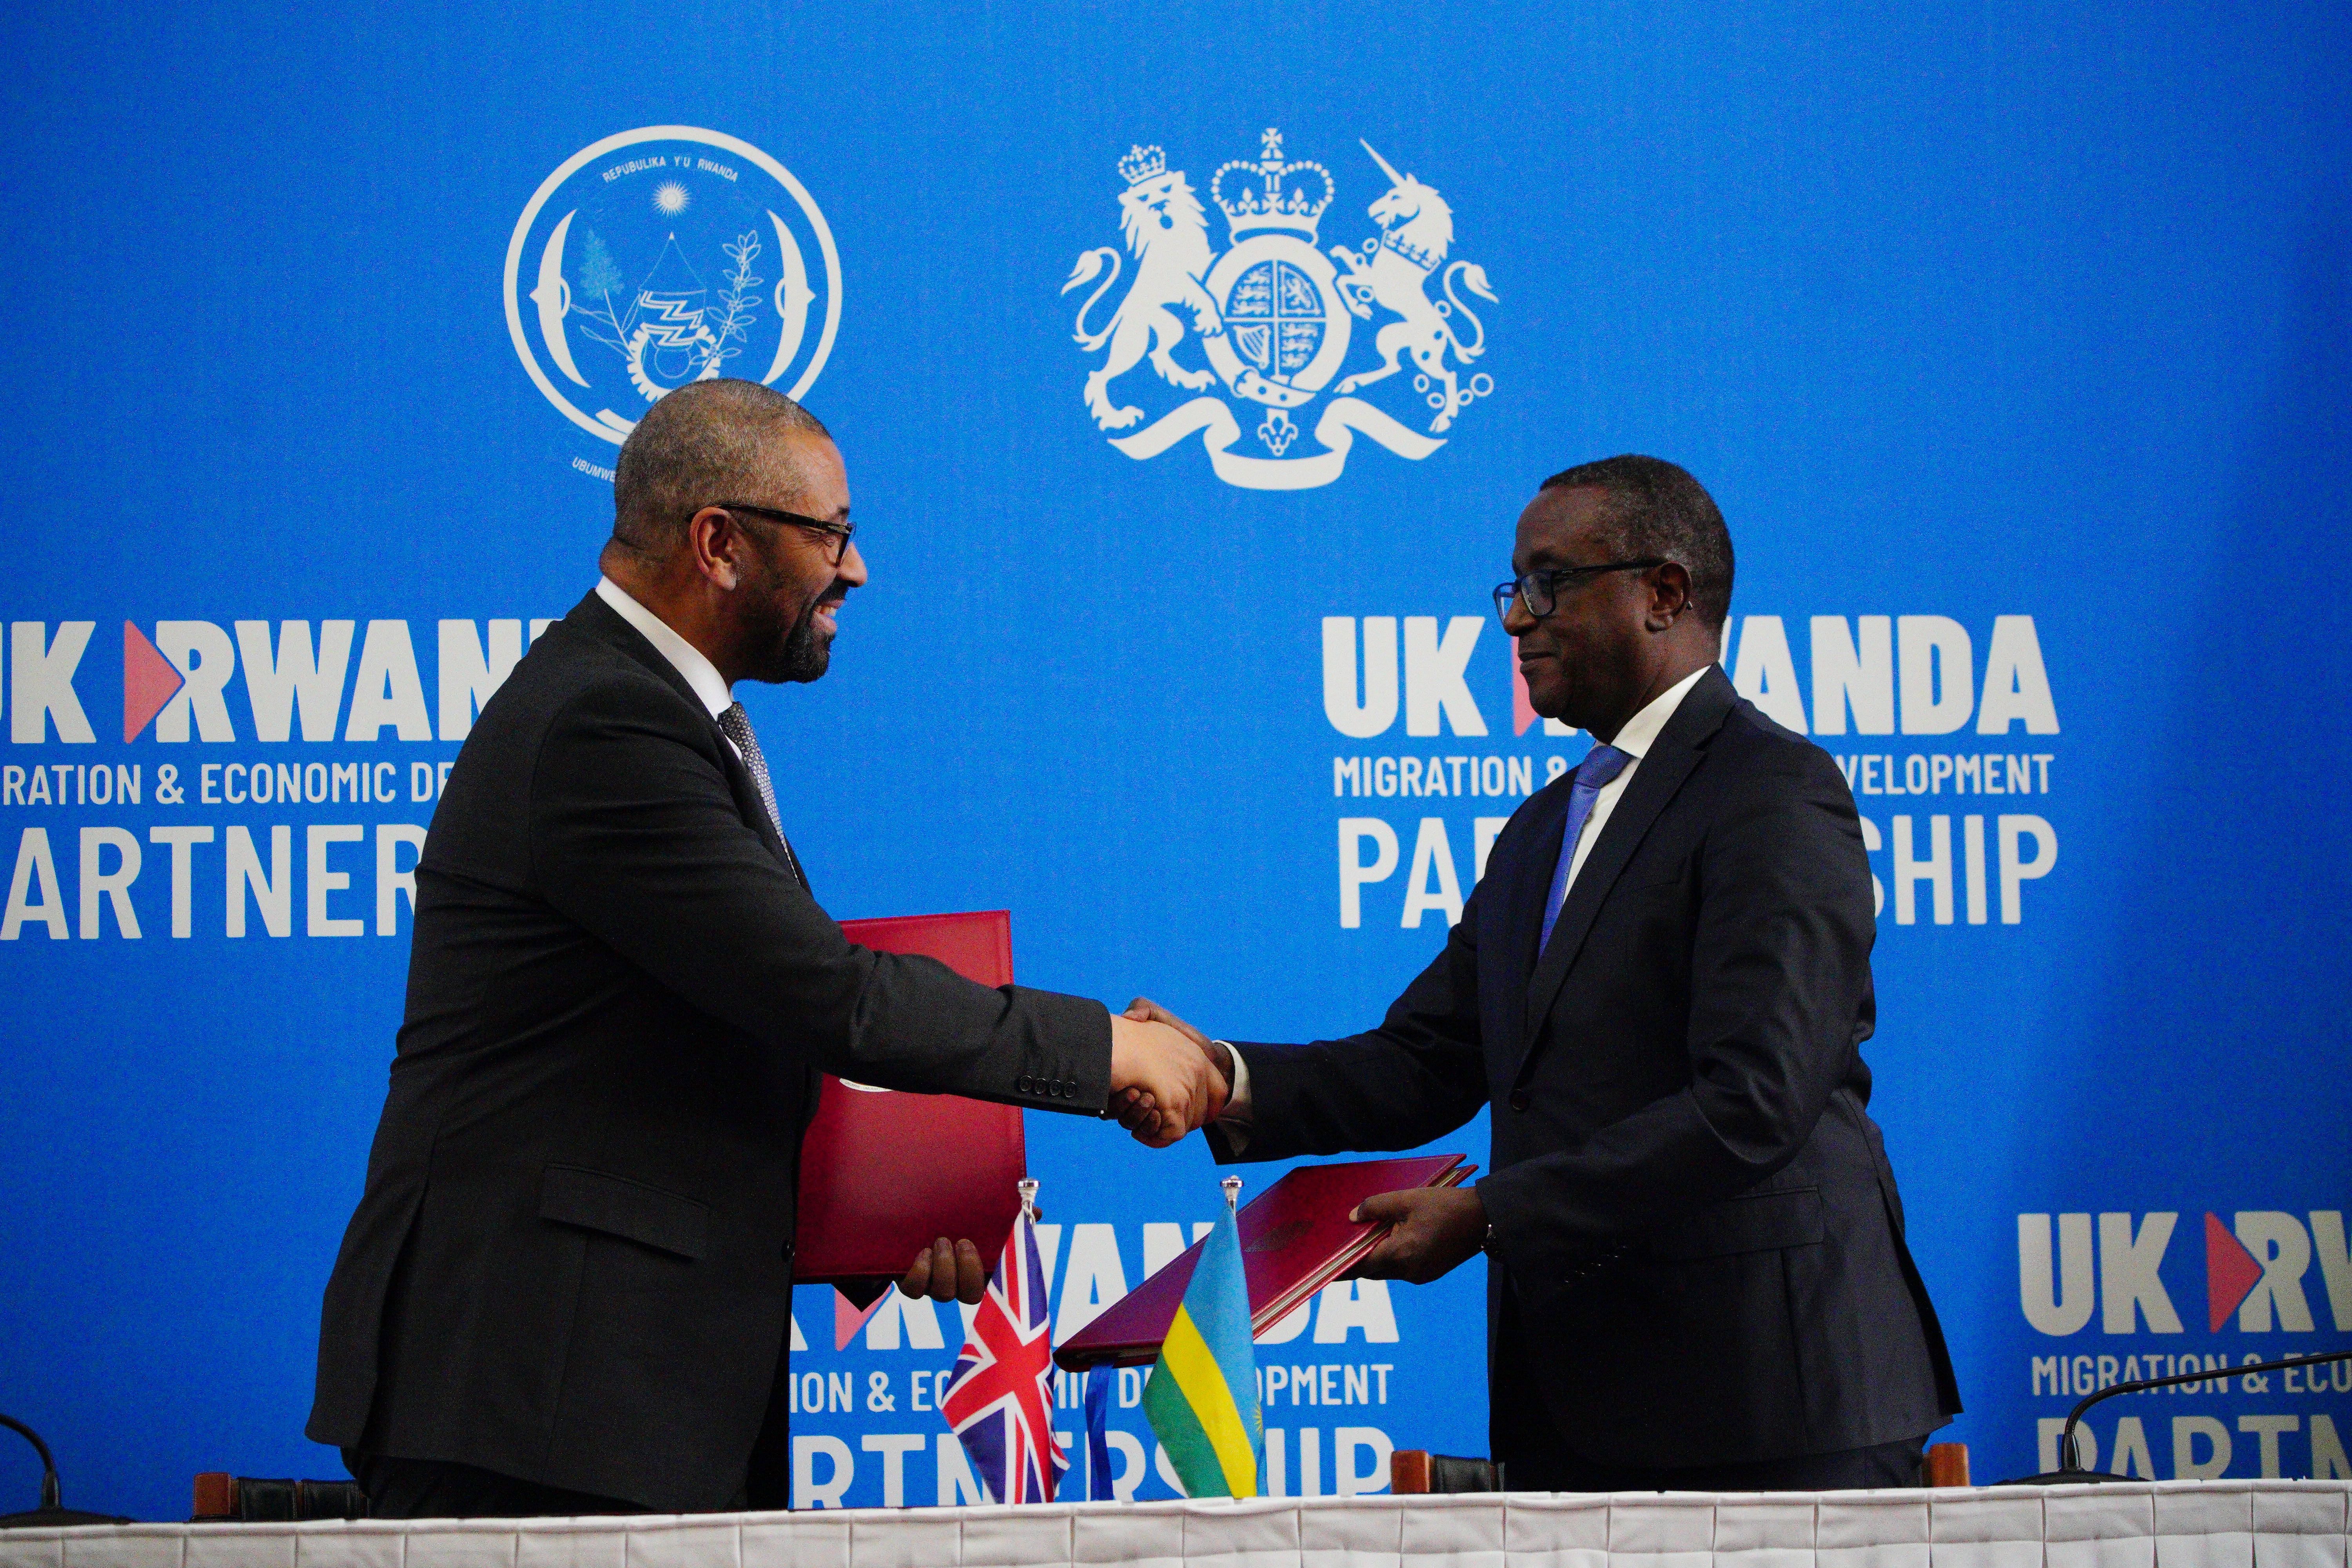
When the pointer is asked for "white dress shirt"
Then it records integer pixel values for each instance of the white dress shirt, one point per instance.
(701, 674)
(1640, 733)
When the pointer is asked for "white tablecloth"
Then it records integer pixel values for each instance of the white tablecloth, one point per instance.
(2172, 1524)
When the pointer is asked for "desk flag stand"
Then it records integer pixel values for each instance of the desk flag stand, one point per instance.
(999, 1400)
(1202, 1399)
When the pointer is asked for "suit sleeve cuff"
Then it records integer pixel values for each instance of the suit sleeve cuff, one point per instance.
(1520, 1240)
(1234, 1120)
(1068, 1065)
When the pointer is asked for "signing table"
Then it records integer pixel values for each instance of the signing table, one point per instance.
(2185, 1524)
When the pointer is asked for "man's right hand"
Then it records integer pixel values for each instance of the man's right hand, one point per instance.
(1162, 1085)
(1131, 1115)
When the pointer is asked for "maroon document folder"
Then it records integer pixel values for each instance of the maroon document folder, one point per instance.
(1296, 1237)
(883, 1175)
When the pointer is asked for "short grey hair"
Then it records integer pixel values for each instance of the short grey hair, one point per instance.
(708, 441)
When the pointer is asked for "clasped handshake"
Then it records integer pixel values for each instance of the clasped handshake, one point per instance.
(1166, 1080)
(1166, 1077)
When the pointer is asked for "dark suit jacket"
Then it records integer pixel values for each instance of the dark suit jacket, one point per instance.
(572, 1260)
(1696, 1230)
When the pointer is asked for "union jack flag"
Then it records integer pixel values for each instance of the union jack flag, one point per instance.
(1000, 1399)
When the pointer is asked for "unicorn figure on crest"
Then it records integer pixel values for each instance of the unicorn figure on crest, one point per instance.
(1393, 272)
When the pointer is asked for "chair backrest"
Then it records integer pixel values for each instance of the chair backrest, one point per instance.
(1413, 1471)
(1417, 1471)
(221, 1497)
(1947, 1465)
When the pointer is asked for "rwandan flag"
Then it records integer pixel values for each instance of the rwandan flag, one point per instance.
(1202, 1396)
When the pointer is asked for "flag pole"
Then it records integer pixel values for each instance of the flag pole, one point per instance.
(1232, 1185)
(1027, 1188)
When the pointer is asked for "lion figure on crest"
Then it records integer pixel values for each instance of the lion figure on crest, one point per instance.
(1416, 231)
(1168, 235)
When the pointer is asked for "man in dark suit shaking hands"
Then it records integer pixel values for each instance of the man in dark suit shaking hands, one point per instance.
(566, 1287)
(1697, 1274)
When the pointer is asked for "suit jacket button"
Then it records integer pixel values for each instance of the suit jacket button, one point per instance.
(1518, 1100)
(1022, 1083)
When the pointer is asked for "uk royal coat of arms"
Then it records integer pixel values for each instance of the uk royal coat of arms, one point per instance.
(1274, 316)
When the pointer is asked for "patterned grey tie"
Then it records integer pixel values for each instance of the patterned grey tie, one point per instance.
(737, 726)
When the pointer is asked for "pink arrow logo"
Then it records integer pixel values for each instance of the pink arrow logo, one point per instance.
(2231, 1271)
(848, 1317)
(149, 682)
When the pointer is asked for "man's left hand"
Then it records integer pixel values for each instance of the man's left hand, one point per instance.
(947, 1271)
(1435, 1229)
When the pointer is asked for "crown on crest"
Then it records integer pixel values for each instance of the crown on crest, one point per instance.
(1142, 163)
(1261, 200)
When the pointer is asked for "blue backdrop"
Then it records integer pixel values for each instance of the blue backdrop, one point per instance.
(2011, 338)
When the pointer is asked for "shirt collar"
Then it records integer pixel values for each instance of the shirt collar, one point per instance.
(684, 657)
(1641, 731)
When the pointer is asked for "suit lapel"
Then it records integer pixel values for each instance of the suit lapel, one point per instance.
(597, 619)
(1667, 763)
(1531, 884)
(754, 809)
(1522, 883)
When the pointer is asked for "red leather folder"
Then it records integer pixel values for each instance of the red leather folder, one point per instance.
(1296, 1237)
(883, 1175)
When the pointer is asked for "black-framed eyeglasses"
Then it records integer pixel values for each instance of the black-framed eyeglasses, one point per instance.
(841, 531)
(1539, 592)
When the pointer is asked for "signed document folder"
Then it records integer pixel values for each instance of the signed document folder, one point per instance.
(1296, 1238)
(882, 1173)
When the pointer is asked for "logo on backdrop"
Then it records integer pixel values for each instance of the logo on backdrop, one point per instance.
(664, 256)
(1275, 315)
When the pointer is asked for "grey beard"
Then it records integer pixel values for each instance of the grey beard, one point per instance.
(800, 653)
(807, 652)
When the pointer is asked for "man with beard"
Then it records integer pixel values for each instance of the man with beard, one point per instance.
(566, 1287)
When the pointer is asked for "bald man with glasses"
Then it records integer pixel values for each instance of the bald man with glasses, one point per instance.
(1698, 1279)
(566, 1287)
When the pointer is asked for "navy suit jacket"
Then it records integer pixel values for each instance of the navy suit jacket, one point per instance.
(1696, 1231)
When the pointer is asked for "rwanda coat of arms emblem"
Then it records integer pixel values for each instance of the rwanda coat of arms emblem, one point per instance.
(664, 256)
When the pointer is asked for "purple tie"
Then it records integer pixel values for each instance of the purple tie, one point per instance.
(1600, 764)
